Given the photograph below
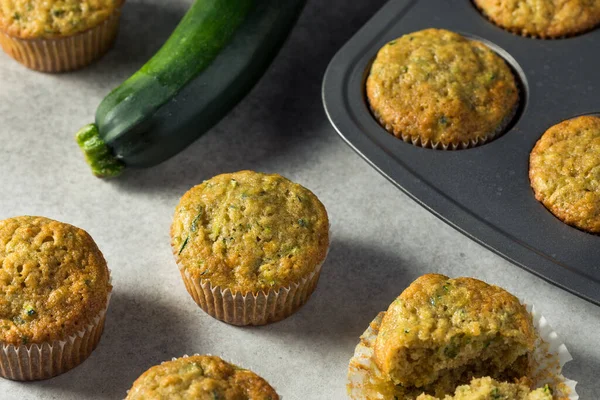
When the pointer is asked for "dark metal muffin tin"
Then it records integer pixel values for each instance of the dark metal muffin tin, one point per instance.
(484, 191)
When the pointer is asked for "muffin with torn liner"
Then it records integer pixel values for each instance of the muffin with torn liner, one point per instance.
(440, 326)
(58, 35)
(435, 88)
(542, 18)
(441, 333)
(202, 378)
(54, 291)
(250, 246)
(564, 170)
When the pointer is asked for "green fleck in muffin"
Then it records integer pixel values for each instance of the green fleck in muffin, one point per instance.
(251, 236)
(440, 328)
(488, 388)
(564, 170)
(201, 378)
(54, 287)
(76, 31)
(542, 18)
(436, 88)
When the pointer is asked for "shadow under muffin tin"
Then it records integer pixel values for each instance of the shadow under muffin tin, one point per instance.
(484, 191)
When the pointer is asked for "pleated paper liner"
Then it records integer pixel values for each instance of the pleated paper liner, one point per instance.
(35, 361)
(64, 53)
(478, 141)
(251, 308)
(367, 382)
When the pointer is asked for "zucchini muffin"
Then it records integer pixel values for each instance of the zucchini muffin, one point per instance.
(250, 245)
(542, 18)
(58, 35)
(490, 389)
(440, 327)
(443, 333)
(54, 291)
(436, 88)
(564, 170)
(202, 378)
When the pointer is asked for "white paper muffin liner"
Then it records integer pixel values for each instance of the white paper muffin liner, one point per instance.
(63, 53)
(546, 362)
(35, 361)
(251, 308)
(478, 141)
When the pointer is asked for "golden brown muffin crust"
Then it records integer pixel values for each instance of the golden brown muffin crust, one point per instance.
(250, 232)
(542, 18)
(201, 378)
(564, 170)
(439, 324)
(437, 87)
(32, 19)
(53, 280)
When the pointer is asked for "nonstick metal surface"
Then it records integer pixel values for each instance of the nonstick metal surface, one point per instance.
(483, 192)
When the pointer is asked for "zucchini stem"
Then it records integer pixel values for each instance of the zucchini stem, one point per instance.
(97, 153)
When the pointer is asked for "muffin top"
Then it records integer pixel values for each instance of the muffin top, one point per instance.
(440, 324)
(202, 378)
(53, 280)
(250, 232)
(564, 170)
(488, 388)
(437, 87)
(542, 18)
(33, 19)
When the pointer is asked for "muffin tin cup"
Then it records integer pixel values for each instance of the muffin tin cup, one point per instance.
(35, 361)
(64, 53)
(259, 308)
(549, 356)
(484, 192)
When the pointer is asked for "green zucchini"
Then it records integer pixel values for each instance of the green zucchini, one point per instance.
(211, 61)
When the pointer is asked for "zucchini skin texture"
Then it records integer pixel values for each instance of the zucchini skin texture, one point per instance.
(194, 79)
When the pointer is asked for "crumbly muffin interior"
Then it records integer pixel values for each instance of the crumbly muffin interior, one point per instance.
(53, 280)
(450, 379)
(249, 231)
(488, 388)
(202, 378)
(441, 327)
(29, 19)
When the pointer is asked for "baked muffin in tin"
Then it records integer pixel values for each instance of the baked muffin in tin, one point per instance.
(542, 18)
(436, 88)
(564, 170)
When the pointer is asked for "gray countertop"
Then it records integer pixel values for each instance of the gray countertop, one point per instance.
(381, 240)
